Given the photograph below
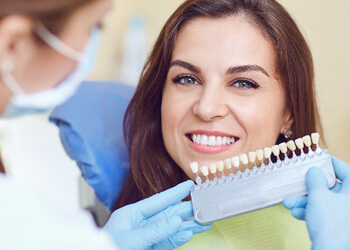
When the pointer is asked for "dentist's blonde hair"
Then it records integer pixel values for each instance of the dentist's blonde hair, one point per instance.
(51, 13)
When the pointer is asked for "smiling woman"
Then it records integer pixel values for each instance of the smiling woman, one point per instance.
(224, 78)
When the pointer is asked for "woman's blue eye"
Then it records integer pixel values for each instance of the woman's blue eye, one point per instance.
(245, 84)
(185, 80)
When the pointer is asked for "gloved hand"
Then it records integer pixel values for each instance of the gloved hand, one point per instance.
(155, 222)
(326, 212)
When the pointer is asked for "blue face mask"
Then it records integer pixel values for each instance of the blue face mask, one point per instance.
(22, 103)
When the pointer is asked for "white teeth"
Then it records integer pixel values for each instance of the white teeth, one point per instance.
(267, 152)
(198, 139)
(275, 150)
(205, 171)
(235, 161)
(219, 141)
(315, 138)
(307, 140)
(220, 165)
(260, 154)
(291, 145)
(204, 140)
(212, 168)
(283, 147)
(228, 163)
(194, 167)
(212, 140)
(299, 142)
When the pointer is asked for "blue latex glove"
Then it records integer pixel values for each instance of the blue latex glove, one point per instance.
(156, 222)
(326, 212)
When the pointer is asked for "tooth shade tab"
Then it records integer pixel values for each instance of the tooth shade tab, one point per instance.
(194, 167)
(205, 170)
(315, 137)
(260, 154)
(252, 156)
(275, 150)
(307, 140)
(299, 142)
(244, 158)
(283, 147)
(228, 163)
(212, 168)
(220, 165)
(235, 161)
(291, 145)
(267, 152)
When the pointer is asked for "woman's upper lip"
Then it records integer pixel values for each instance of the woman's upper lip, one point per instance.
(209, 133)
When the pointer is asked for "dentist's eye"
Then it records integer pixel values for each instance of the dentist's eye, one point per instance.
(185, 80)
(245, 84)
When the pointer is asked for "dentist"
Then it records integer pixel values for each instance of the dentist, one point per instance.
(47, 48)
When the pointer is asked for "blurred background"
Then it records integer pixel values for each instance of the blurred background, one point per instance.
(132, 26)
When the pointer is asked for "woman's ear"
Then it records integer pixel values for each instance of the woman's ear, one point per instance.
(288, 121)
(16, 37)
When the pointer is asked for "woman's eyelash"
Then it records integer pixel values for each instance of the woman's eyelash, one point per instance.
(244, 83)
(185, 80)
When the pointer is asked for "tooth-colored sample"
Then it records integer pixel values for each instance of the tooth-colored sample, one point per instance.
(299, 142)
(219, 141)
(220, 165)
(235, 161)
(244, 158)
(228, 163)
(194, 167)
(267, 152)
(205, 171)
(275, 150)
(212, 168)
(315, 138)
(291, 145)
(283, 147)
(211, 141)
(204, 140)
(307, 140)
(252, 156)
(260, 154)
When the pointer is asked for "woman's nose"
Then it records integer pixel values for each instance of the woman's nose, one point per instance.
(211, 105)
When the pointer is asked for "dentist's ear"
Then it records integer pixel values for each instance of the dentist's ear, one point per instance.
(16, 38)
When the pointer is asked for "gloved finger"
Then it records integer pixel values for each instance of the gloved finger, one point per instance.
(160, 230)
(177, 240)
(342, 171)
(295, 202)
(298, 213)
(315, 180)
(161, 201)
(194, 226)
(183, 209)
(337, 187)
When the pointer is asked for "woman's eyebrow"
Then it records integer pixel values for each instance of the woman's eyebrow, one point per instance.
(186, 65)
(245, 68)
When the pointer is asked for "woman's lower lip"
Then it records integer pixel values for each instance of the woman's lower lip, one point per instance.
(205, 149)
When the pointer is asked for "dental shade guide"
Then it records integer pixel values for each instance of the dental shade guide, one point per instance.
(259, 187)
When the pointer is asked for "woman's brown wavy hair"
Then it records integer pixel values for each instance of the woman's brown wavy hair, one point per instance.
(151, 168)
